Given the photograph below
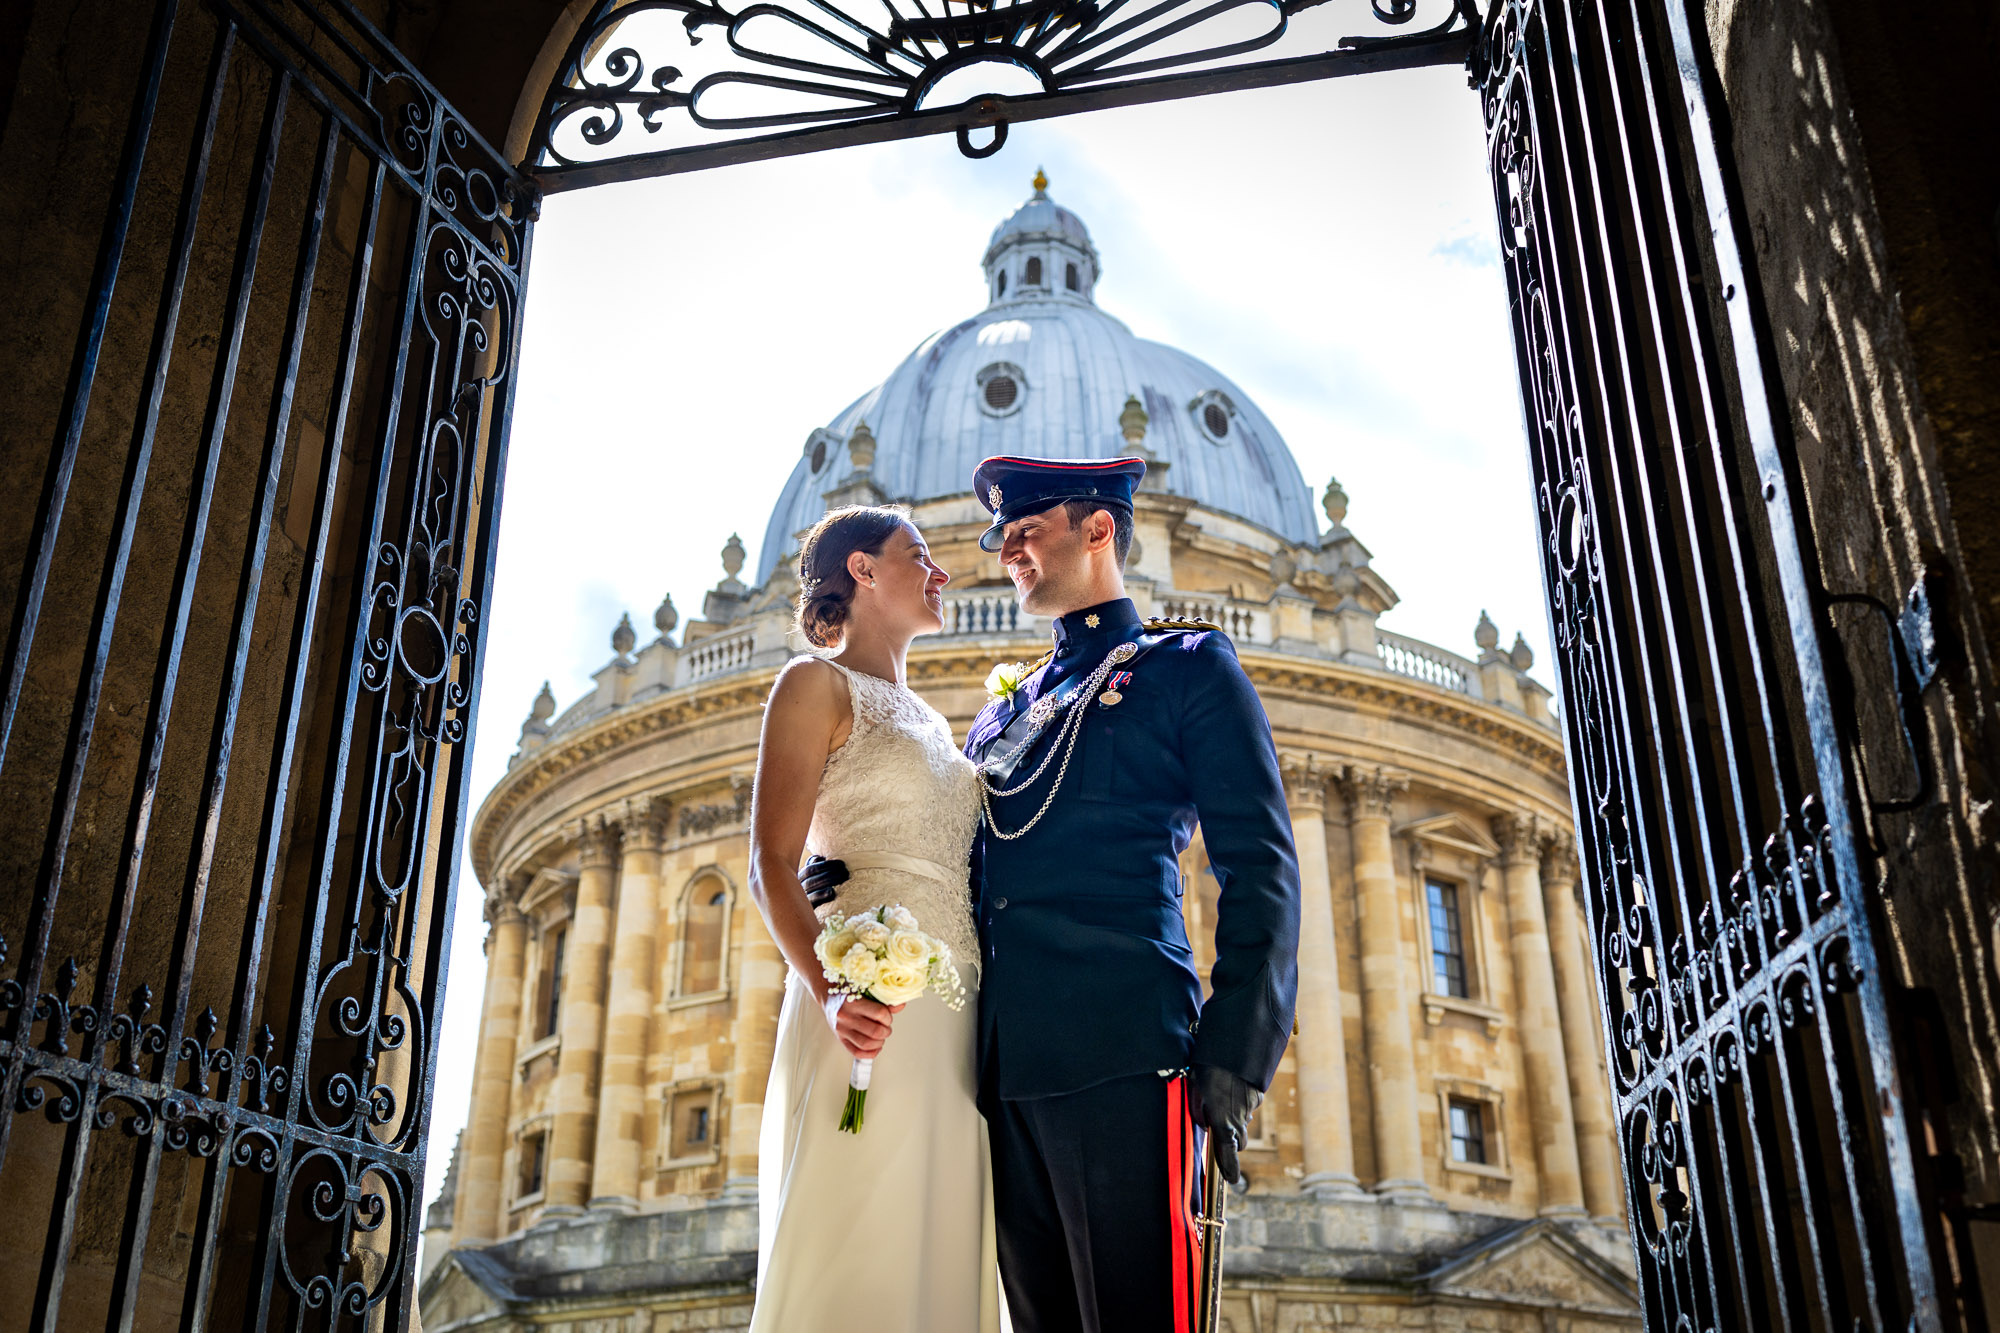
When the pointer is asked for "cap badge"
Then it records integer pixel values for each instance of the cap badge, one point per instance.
(993, 495)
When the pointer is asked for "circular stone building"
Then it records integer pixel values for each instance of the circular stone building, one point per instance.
(1437, 1150)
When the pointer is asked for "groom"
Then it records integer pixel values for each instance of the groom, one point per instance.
(1096, 1049)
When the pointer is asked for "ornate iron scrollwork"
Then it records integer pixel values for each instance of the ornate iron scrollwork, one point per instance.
(817, 74)
(320, 1085)
(1744, 1017)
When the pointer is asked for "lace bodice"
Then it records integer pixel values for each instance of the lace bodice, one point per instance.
(899, 788)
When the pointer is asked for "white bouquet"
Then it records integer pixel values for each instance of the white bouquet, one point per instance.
(883, 955)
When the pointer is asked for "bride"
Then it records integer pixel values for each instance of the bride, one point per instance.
(889, 1230)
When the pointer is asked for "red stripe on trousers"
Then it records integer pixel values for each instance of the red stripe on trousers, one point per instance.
(1181, 1176)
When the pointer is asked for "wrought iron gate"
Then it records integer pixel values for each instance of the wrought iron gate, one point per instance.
(1770, 1171)
(236, 715)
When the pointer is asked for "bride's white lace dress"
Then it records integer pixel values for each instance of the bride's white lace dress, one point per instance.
(889, 1230)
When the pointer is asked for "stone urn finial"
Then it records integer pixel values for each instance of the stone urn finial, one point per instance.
(667, 616)
(861, 446)
(1521, 655)
(1334, 502)
(623, 636)
(732, 556)
(1133, 420)
(1486, 634)
(544, 706)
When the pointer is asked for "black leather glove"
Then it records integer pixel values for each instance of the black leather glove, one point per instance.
(1223, 1104)
(822, 879)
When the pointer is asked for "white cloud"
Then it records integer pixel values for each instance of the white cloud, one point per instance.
(1329, 247)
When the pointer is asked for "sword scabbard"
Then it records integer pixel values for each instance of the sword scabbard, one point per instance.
(1215, 1199)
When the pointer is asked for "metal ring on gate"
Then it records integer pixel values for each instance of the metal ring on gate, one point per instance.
(965, 140)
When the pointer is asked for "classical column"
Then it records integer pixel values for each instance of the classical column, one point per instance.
(478, 1214)
(1385, 991)
(1321, 1045)
(760, 991)
(621, 1098)
(573, 1100)
(1576, 991)
(1542, 1058)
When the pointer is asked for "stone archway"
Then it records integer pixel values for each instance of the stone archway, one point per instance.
(253, 542)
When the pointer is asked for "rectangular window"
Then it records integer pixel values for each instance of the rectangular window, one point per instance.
(1447, 940)
(533, 1150)
(1468, 1130)
(690, 1130)
(552, 982)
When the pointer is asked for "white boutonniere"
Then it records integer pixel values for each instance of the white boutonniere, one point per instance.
(1004, 679)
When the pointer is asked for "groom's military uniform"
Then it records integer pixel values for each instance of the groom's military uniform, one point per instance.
(1090, 1007)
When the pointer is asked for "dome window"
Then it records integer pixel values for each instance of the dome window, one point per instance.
(1000, 284)
(1032, 275)
(819, 447)
(1071, 279)
(1215, 414)
(1001, 389)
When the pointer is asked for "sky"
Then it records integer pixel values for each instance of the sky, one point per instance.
(1330, 248)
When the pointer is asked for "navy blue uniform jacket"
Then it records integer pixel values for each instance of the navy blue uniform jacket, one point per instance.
(1087, 971)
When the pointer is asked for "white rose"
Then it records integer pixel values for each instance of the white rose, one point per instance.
(872, 933)
(896, 983)
(833, 947)
(910, 948)
(1004, 679)
(899, 917)
(859, 966)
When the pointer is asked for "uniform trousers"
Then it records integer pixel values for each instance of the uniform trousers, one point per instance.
(1093, 1195)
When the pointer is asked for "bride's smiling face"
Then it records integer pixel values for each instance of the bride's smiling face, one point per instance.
(908, 586)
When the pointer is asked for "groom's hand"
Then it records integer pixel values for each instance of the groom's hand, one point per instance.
(1223, 1105)
(822, 879)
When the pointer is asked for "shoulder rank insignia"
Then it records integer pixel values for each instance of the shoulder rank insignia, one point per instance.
(1180, 622)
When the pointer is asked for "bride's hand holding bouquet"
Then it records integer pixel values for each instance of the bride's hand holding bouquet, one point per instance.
(878, 960)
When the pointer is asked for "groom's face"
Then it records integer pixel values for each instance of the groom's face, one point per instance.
(1048, 560)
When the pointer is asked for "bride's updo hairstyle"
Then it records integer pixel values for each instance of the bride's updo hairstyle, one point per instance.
(826, 589)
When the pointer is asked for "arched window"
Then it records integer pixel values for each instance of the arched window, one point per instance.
(1032, 275)
(1000, 284)
(704, 935)
(1072, 279)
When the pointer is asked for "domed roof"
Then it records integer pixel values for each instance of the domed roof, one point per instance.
(1040, 217)
(1043, 371)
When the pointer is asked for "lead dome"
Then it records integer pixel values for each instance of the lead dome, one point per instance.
(1042, 370)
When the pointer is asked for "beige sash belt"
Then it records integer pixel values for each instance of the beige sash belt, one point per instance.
(914, 865)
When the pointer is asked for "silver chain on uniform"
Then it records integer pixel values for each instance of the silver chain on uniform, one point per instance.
(1065, 741)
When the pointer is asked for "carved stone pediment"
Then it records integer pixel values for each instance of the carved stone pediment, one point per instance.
(465, 1287)
(1454, 831)
(1537, 1264)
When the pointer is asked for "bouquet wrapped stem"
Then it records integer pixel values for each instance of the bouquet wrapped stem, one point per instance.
(882, 955)
(857, 1095)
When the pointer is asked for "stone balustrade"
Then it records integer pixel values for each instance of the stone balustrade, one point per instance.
(1426, 662)
(718, 655)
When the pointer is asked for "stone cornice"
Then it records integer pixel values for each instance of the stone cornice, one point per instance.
(965, 665)
(1304, 677)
